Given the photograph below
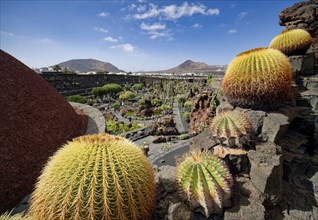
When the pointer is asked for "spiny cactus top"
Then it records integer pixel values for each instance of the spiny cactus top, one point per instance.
(95, 177)
(292, 42)
(205, 181)
(259, 79)
(231, 128)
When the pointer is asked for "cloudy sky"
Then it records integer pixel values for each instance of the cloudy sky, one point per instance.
(136, 35)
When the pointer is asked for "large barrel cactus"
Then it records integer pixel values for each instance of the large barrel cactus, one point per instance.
(259, 79)
(95, 177)
(205, 182)
(292, 42)
(231, 128)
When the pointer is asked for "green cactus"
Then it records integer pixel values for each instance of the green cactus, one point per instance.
(259, 79)
(95, 177)
(292, 42)
(231, 128)
(205, 182)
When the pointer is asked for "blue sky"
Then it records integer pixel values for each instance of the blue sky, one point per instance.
(137, 35)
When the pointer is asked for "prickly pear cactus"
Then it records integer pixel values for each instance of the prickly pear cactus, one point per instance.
(259, 79)
(205, 182)
(231, 128)
(292, 42)
(95, 177)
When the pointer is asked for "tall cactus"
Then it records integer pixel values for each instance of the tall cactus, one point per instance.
(231, 128)
(292, 42)
(259, 79)
(95, 177)
(205, 181)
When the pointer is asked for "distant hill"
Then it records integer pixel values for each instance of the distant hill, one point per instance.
(86, 65)
(190, 66)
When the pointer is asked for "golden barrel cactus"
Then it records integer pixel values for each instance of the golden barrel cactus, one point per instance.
(19, 216)
(205, 181)
(231, 128)
(292, 42)
(95, 177)
(259, 79)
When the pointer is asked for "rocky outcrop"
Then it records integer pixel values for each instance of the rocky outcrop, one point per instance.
(35, 121)
(202, 112)
(164, 126)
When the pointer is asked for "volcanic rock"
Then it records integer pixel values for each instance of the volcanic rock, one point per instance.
(35, 121)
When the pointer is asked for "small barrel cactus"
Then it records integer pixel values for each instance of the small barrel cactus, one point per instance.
(205, 182)
(292, 42)
(231, 128)
(95, 177)
(259, 79)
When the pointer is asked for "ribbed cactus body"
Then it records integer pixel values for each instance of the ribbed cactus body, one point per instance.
(231, 128)
(205, 181)
(292, 42)
(95, 177)
(259, 79)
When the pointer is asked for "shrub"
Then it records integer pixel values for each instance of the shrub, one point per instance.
(156, 102)
(112, 89)
(205, 181)
(186, 116)
(77, 98)
(127, 95)
(95, 177)
(188, 105)
(164, 107)
(259, 79)
(183, 136)
(116, 105)
(292, 42)
(231, 128)
(180, 98)
(138, 86)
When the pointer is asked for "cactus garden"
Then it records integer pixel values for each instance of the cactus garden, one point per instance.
(83, 139)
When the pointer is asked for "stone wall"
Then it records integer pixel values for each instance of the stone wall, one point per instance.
(69, 84)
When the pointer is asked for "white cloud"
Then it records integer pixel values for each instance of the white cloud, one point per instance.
(110, 39)
(5, 33)
(132, 6)
(99, 29)
(232, 31)
(196, 25)
(173, 12)
(141, 8)
(232, 5)
(103, 14)
(243, 14)
(125, 47)
(153, 27)
(213, 11)
(46, 40)
(142, 1)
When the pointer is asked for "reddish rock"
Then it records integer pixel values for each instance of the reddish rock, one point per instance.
(35, 121)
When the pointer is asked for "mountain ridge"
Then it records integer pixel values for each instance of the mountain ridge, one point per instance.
(86, 65)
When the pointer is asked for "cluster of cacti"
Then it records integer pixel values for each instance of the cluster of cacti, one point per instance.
(231, 128)
(259, 79)
(292, 42)
(95, 177)
(205, 181)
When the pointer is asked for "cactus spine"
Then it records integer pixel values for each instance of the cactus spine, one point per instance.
(205, 181)
(95, 177)
(19, 216)
(259, 79)
(231, 128)
(292, 42)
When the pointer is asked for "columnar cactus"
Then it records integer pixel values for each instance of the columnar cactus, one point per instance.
(95, 177)
(259, 79)
(231, 128)
(292, 42)
(205, 181)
